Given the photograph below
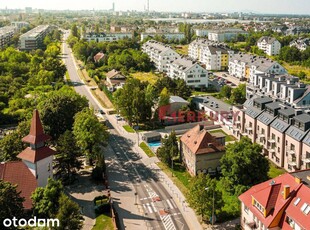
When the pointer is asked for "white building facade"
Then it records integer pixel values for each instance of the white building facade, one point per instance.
(6, 34)
(269, 45)
(105, 37)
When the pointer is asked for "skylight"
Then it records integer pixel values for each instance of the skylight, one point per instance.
(305, 208)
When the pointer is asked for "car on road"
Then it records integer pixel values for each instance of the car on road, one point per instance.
(118, 117)
(101, 111)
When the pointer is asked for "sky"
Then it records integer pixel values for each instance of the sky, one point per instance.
(256, 6)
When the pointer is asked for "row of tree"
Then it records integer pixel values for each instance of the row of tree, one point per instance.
(236, 95)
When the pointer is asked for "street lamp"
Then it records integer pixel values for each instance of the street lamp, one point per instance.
(212, 216)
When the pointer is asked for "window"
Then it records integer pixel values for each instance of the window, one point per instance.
(305, 208)
(246, 209)
(297, 201)
(258, 206)
(278, 139)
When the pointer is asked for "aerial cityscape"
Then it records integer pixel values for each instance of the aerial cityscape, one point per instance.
(155, 115)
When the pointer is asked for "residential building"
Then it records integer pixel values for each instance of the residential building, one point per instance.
(215, 109)
(201, 32)
(245, 66)
(279, 203)
(99, 56)
(105, 37)
(6, 34)
(201, 152)
(114, 80)
(284, 88)
(269, 45)
(20, 25)
(160, 54)
(167, 35)
(293, 141)
(300, 44)
(35, 166)
(305, 156)
(215, 56)
(190, 71)
(34, 38)
(225, 35)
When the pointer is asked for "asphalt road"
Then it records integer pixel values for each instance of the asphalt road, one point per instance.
(155, 204)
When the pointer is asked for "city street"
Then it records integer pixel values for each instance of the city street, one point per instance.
(140, 199)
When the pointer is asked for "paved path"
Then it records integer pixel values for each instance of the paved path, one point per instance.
(83, 192)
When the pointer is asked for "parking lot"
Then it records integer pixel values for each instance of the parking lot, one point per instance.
(223, 78)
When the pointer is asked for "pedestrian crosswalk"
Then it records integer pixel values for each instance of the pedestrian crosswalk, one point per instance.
(150, 191)
(151, 208)
(167, 222)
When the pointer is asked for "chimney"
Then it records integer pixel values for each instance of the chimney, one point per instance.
(286, 192)
(298, 180)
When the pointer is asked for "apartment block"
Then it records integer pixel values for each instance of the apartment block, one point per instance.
(20, 25)
(279, 203)
(280, 129)
(160, 54)
(225, 35)
(269, 45)
(283, 88)
(105, 37)
(33, 39)
(245, 66)
(190, 71)
(169, 36)
(6, 34)
(301, 44)
(215, 56)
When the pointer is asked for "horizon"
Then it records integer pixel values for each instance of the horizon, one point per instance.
(195, 6)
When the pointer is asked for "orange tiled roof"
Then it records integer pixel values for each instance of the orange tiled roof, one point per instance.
(200, 141)
(270, 195)
(34, 155)
(17, 173)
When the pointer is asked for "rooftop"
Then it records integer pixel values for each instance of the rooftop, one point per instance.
(213, 103)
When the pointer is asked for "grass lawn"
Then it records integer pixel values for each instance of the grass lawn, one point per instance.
(181, 49)
(296, 69)
(196, 93)
(103, 222)
(143, 76)
(146, 149)
(181, 177)
(128, 128)
(227, 137)
(274, 171)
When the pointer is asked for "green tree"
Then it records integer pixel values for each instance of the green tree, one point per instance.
(200, 196)
(89, 133)
(169, 149)
(74, 31)
(69, 215)
(58, 108)
(46, 200)
(164, 97)
(225, 91)
(66, 160)
(243, 166)
(11, 202)
(11, 145)
(238, 95)
(289, 54)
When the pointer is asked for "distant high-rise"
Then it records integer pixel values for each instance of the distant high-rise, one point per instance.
(113, 6)
(148, 6)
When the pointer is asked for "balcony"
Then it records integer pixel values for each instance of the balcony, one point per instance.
(305, 159)
(271, 141)
(292, 161)
(291, 151)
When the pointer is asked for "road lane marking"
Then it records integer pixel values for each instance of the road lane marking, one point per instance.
(170, 205)
(154, 207)
(149, 208)
(167, 222)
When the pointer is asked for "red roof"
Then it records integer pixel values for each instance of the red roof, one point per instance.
(17, 173)
(200, 141)
(34, 155)
(98, 56)
(270, 195)
(36, 134)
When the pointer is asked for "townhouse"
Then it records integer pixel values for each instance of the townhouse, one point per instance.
(201, 152)
(225, 34)
(284, 88)
(280, 129)
(190, 71)
(160, 54)
(300, 44)
(105, 37)
(215, 56)
(245, 66)
(6, 34)
(279, 203)
(269, 45)
(34, 38)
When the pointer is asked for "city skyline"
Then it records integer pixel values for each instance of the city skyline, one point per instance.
(263, 6)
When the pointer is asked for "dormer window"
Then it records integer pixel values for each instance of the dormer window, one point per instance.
(259, 206)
